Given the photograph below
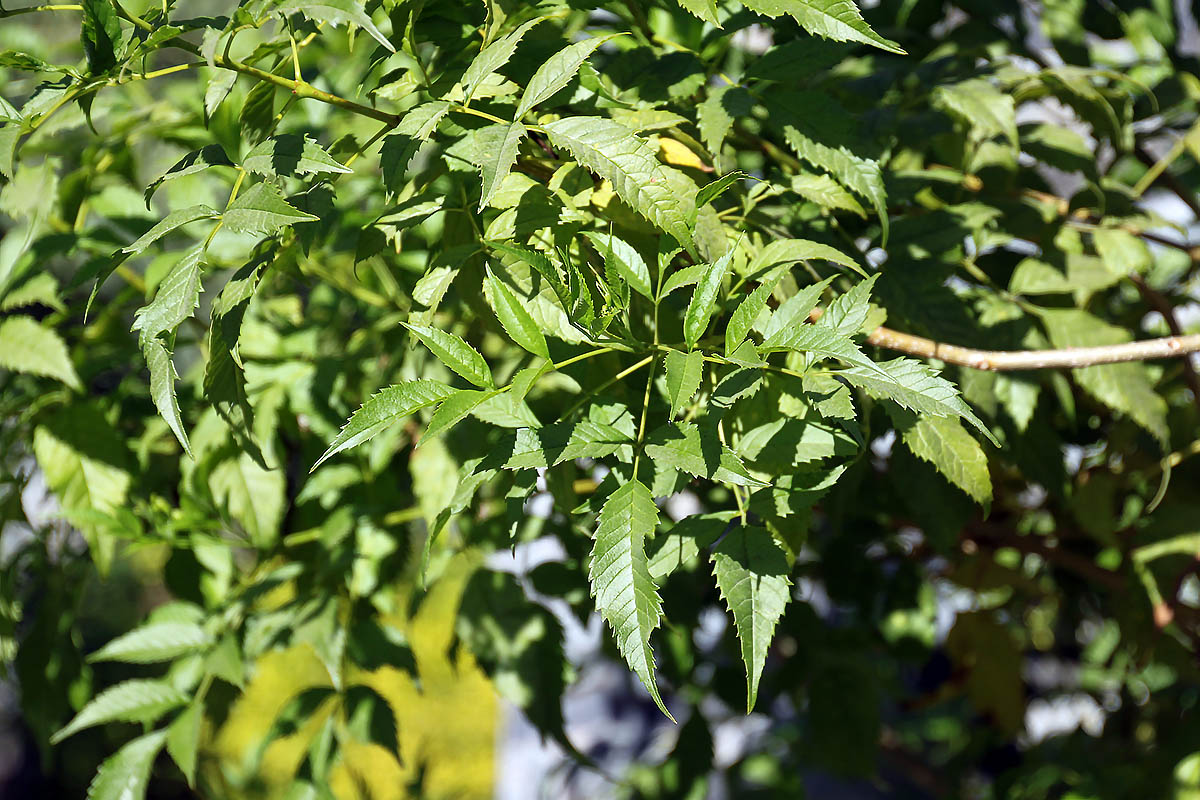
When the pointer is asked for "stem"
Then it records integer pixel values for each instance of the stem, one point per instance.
(641, 435)
(12, 12)
(619, 376)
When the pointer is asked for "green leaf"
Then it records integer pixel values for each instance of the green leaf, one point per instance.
(498, 152)
(517, 322)
(456, 354)
(158, 641)
(684, 371)
(625, 258)
(705, 10)
(985, 109)
(100, 34)
(704, 299)
(399, 148)
(688, 276)
(219, 87)
(685, 446)
(1122, 252)
(821, 342)
(257, 116)
(917, 387)
(183, 739)
(336, 12)
(565, 441)
(176, 298)
(452, 411)
(943, 442)
(625, 593)
(211, 155)
(838, 20)
(162, 388)
(176, 219)
(385, 408)
(713, 190)
(744, 316)
(826, 192)
(1127, 388)
(752, 574)
(716, 115)
(261, 209)
(131, 701)
(491, 58)
(683, 542)
(613, 152)
(253, 495)
(125, 775)
(789, 251)
(847, 315)
(556, 72)
(26, 346)
(291, 154)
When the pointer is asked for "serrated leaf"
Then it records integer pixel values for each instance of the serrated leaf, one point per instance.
(705, 10)
(261, 209)
(565, 441)
(491, 58)
(743, 317)
(177, 297)
(688, 276)
(211, 155)
(916, 387)
(159, 641)
(125, 775)
(684, 371)
(625, 258)
(625, 593)
(219, 87)
(556, 72)
(517, 322)
(613, 152)
(26, 346)
(253, 495)
(131, 701)
(384, 409)
(984, 108)
(183, 739)
(943, 442)
(336, 12)
(712, 191)
(848, 313)
(839, 20)
(684, 541)
(257, 117)
(455, 353)
(498, 152)
(826, 192)
(704, 299)
(788, 251)
(100, 34)
(162, 388)
(752, 573)
(684, 446)
(291, 154)
(716, 115)
(452, 411)
(176, 219)
(399, 148)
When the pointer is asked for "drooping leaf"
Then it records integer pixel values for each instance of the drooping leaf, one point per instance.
(176, 298)
(716, 115)
(613, 152)
(498, 152)
(826, 192)
(100, 34)
(385, 408)
(943, 442)
(157, 641)
(492, 57)
(399, 148)
(555, 73)
(162, 388)
(625, 593)
(211, 155)
(131, 701)
(125, 775)
(176, 219)
(712, 191)
(257, 116)
(253, 495)
(744, 316)
(684, 371)
(26, 346)
(752, 574)
(261, 209)
(290, 154)
(704, 299)
(183, 740)
(513, 316)
(839, 20)
(336, 12)
(456, 354)
(788, 251)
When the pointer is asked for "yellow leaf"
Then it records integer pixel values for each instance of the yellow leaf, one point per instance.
(678, 154)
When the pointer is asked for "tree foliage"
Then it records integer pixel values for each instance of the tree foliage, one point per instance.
(310, 312)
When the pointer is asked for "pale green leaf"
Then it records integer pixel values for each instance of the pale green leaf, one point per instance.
(158, 641)
(789, 251)
(752, 574)
(131, 701)
(183, 739)
(291, 154)
(26, 346)
(174, 220)
(625, 258)
(1122, 252)
(254, 496)
(743, 317)
(211, 155)
(688, 276)
(613, 152)
(162, 388)
(986, 110)
(336, 12)
(847, 315)
(456, 354)
(704, 299)
(498, 152)
(620, 579)
(684, 446)
(513, 316)
(826, 192)
(385, 408)
(176, 298)
(705, 10)
(794, 311)
(821, 342)
(943, 442)
(452, 411)
(491, 58)
(684, 371)
(261, 209)
(125, 775)
(839, 20)
(565, 441)
(556, 72)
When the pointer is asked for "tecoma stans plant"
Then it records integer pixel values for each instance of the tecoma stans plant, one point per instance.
(837, 358)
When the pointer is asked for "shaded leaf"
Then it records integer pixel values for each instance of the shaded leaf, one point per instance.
(684, 371)
(704, 299)
(261, 209)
